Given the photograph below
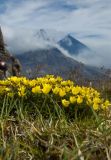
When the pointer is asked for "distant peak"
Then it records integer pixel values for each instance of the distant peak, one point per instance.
(68, 39)
(72, 45)
(68, 35)
(42, 30)
(42, 35)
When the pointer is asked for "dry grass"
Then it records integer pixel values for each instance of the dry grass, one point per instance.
(26, 136)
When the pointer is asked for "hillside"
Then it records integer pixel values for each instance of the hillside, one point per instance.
(52, 61)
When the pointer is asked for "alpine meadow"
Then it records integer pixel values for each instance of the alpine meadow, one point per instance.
(55, 80)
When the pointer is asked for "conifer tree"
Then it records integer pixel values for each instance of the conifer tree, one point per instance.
(2, 44)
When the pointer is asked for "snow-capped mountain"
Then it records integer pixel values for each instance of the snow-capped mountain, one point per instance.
(72, 45)
(66, 43)
(48, 35)
(55, 56)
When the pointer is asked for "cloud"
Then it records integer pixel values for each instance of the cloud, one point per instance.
(88, 20)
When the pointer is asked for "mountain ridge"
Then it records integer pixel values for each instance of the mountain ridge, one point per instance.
(52, 61)
(72, 45)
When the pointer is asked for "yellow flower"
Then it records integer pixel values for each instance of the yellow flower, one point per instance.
(105, 104)
(52, 80)
(14, 79)
(7, 89)
(64, 83)
(56, 90)
(72, 99)
(2, 90)
(21, 91)
(95, 106)
(89, 101)
(36, 89)
(96, 100)
(61, 87)
(46, 88)
(62, 93)
(59, 79)
(32, 83)
(79, 99)
(76, 90)
(65, 103)
(25, 81)
(67, 89)
(70, 83)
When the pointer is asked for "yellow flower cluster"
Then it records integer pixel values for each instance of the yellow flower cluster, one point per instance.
(64, 91)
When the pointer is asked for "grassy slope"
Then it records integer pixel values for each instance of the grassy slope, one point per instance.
(26, 134)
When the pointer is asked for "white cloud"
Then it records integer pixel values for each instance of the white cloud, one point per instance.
(88, 19)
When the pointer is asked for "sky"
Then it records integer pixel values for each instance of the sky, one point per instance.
(87, 20)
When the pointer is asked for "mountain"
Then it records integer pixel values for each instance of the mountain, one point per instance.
(67, 45)
(42, 35)
(72, 45)
(49, 35)
(52, 61)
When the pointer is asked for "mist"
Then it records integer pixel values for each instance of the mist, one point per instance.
(23, 40)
